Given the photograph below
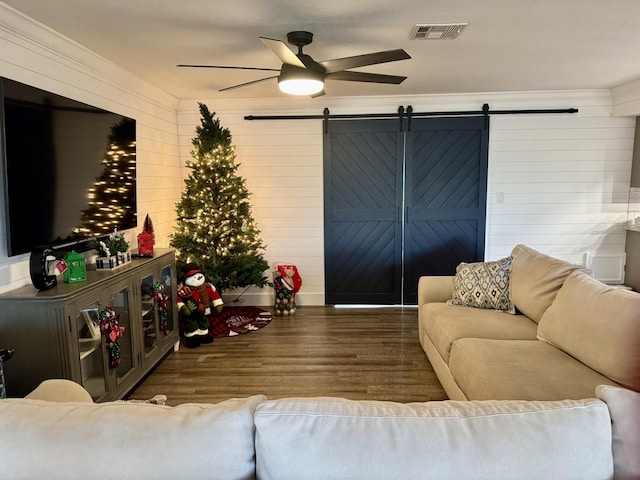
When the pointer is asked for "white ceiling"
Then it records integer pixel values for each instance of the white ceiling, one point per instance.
(509, 45)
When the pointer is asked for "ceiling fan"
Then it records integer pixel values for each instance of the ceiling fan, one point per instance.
(302, 75)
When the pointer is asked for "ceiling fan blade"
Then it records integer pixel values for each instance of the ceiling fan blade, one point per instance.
(346, 63)
(234, 68)
(283, 52)
(247, 83)
(366, 77)
(319, 94)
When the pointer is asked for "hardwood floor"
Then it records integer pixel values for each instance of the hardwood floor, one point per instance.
(360, 353)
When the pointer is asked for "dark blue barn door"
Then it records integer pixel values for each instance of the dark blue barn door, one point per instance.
(363, 195)
(401, 204)
(445, 199)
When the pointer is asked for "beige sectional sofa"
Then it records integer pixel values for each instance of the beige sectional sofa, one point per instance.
(569, 332)
(58, 432)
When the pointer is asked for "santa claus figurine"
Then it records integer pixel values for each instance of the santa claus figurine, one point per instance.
(197, 298)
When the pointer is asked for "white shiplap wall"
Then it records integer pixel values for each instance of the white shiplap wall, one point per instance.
(33, 54)
(558, 183)
(564, 179)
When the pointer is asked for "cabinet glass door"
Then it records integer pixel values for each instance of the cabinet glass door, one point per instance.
(149, 323)
(166, 305)
(125, 363)
(92, 364)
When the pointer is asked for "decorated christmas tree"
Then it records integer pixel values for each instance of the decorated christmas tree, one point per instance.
(215, 228)
(109, 199)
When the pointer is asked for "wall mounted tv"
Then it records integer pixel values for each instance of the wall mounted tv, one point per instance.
(68, 169)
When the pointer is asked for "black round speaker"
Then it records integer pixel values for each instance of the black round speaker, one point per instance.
(38, 269)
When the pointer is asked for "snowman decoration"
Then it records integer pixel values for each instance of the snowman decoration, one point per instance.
(197, 299)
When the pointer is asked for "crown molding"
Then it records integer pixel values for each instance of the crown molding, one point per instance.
(626, 99)
(34, 53)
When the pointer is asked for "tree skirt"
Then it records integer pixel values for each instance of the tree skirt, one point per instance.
(234, 321)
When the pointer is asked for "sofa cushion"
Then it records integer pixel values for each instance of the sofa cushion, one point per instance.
(60, 390)
(321, 438)
(624, 408)
(483, 285)
(597, 324)
(444, 324)
(42, 439)
(536, 279)
(520, 369)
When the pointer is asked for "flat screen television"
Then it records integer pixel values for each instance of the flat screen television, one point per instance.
(68, 169)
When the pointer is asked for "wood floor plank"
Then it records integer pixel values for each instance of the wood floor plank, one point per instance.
(360, 353)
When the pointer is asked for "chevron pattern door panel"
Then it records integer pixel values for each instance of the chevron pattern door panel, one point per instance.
(363, 192)
(445, 198)
(399, 205)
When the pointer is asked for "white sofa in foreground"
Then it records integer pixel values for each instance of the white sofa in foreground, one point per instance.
(58, 432)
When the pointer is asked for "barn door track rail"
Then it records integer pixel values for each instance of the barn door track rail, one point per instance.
(408, 113)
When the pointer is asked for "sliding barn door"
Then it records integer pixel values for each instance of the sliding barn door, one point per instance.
(445, 200)
(363, 193)
(401, 204)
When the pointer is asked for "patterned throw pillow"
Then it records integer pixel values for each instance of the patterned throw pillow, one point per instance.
(484, 285)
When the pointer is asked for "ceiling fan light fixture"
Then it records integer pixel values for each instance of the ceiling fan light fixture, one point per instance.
(300, 81)
(302, 75)
(300, 86)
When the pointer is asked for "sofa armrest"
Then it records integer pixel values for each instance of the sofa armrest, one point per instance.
(60, 390)
(435, 289)
(624, 408)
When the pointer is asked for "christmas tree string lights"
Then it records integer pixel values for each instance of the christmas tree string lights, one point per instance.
(215, 228)
(109, 205)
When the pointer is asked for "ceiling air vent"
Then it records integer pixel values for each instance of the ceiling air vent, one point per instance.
(436, 31)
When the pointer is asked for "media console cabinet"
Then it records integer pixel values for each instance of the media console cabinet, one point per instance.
(56, 332)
